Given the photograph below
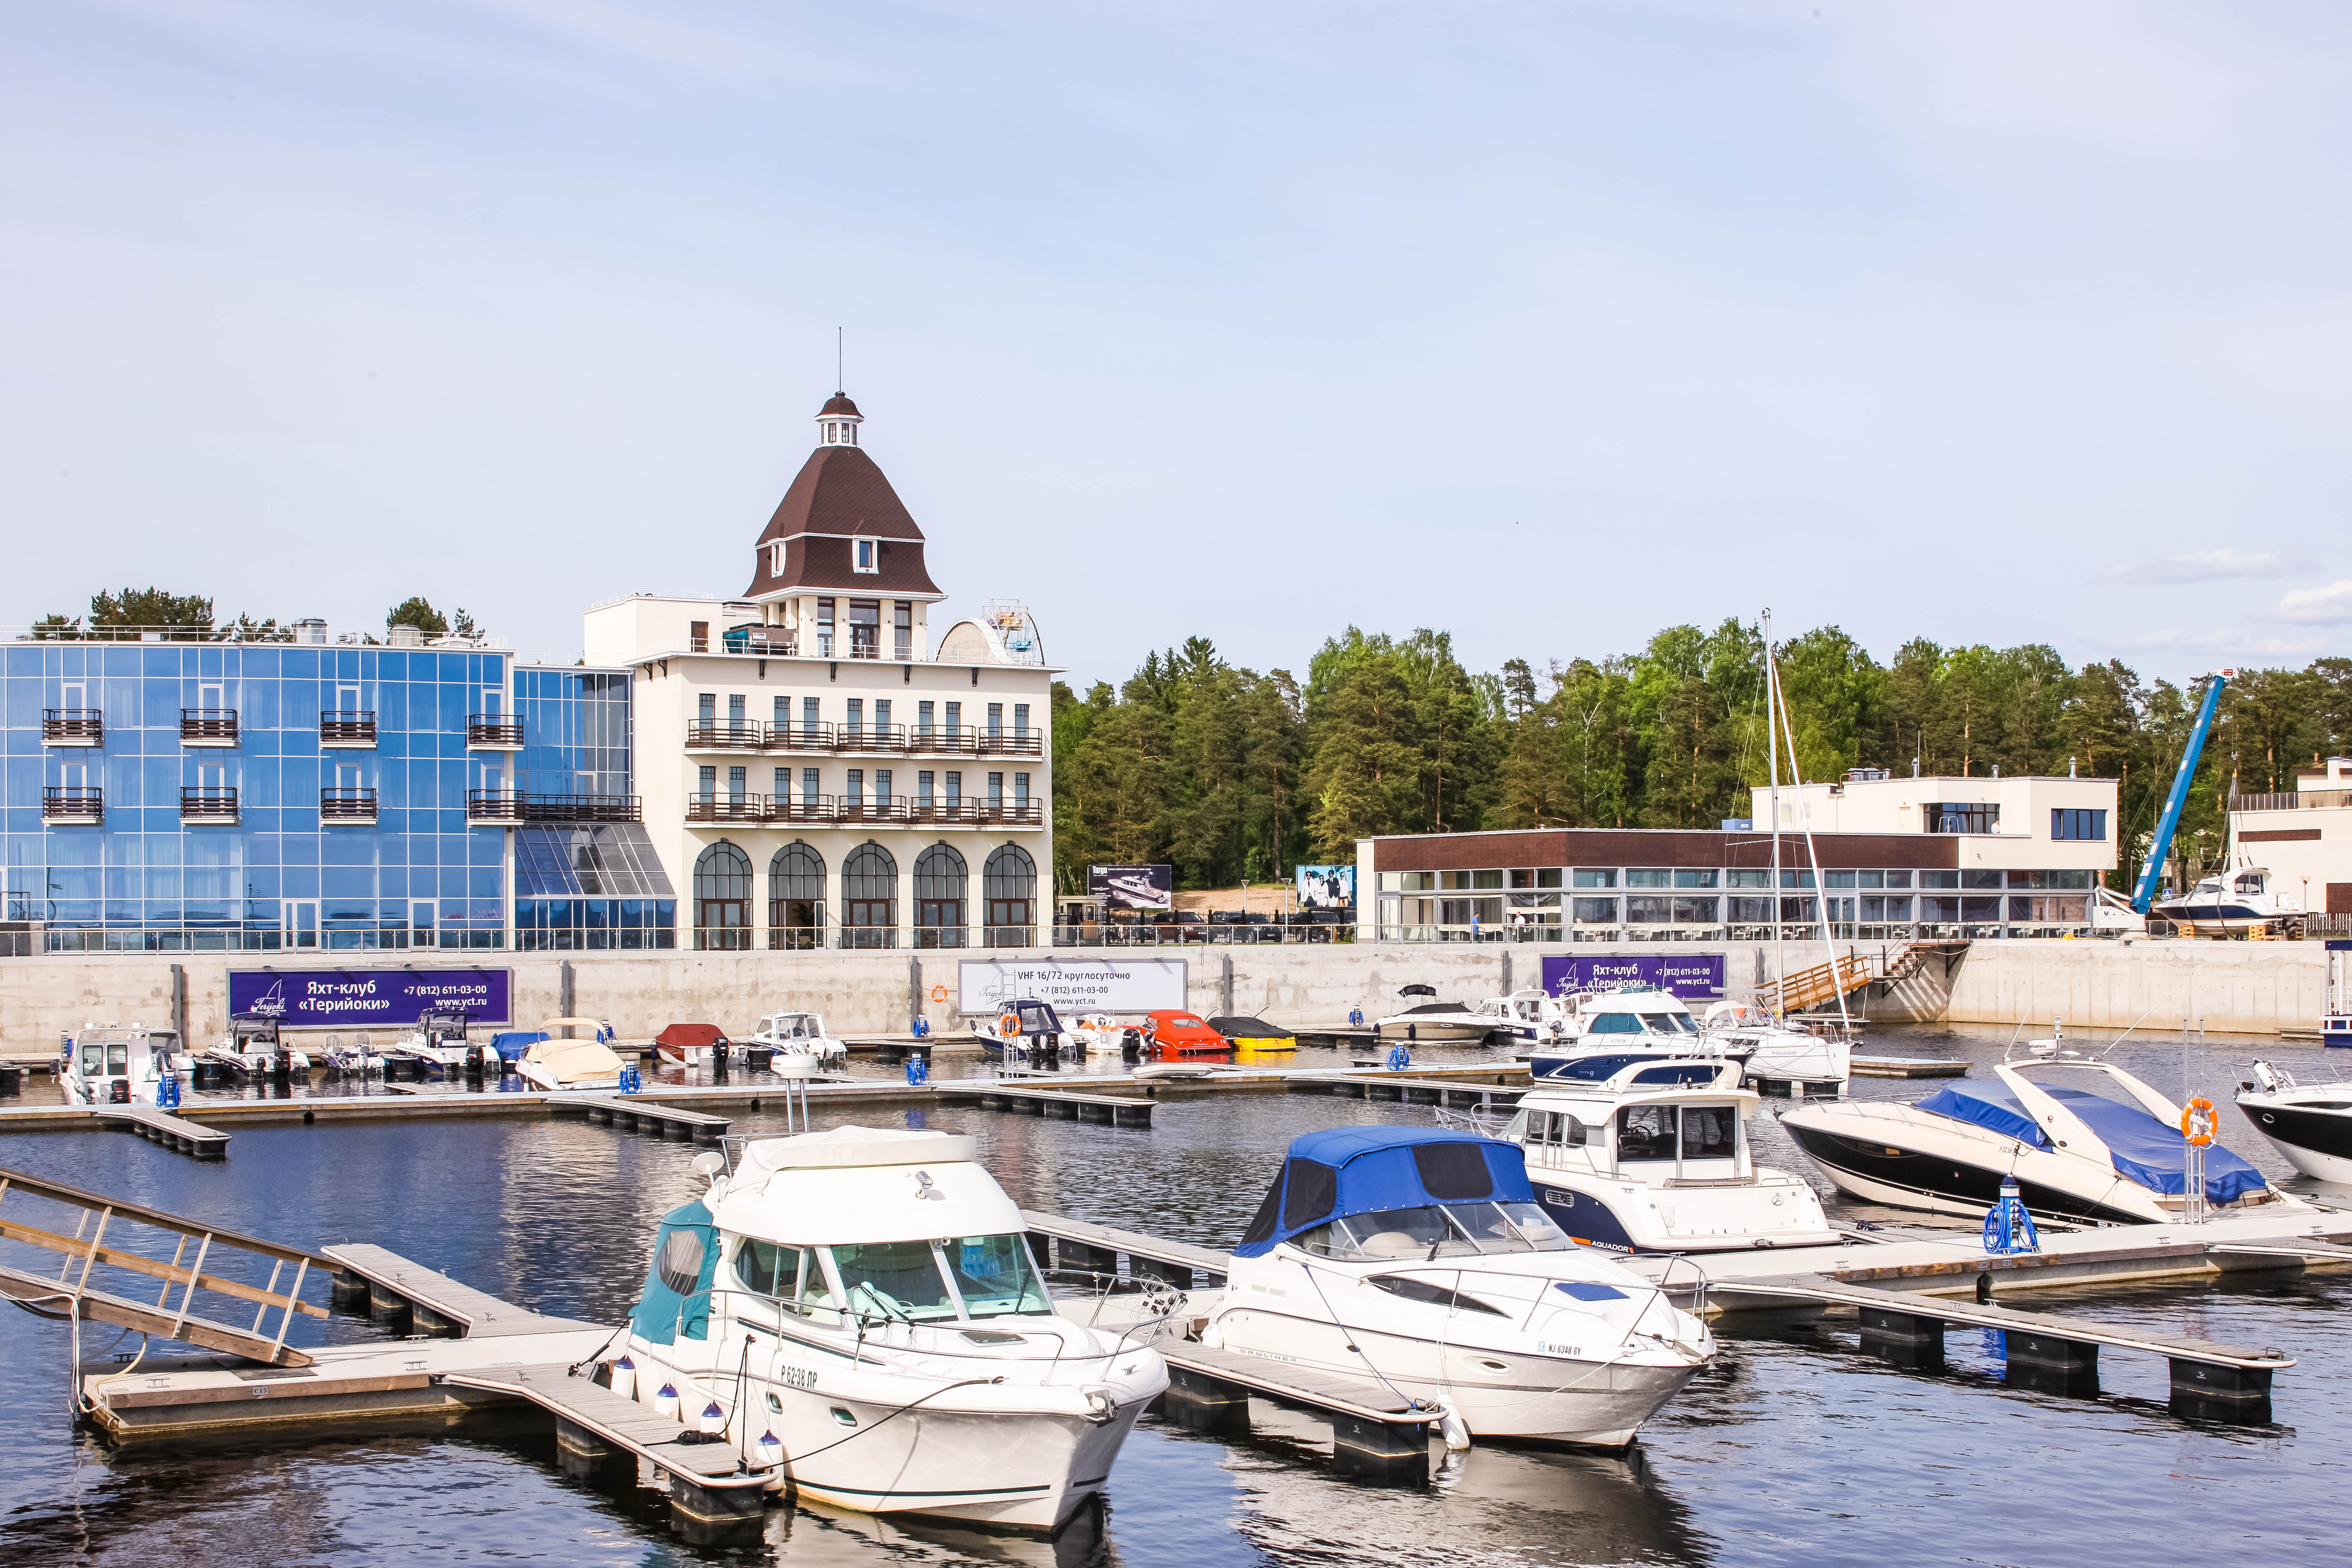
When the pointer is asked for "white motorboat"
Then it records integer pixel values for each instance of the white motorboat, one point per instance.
(2229, 903)
(255, 1046)
(2309, 1124)
(1530, 1016)
(1026, 1030)
(1655, 1158)
(799, 1034)
(356, 1058)
(1433, 1022)
(829, 1284)
(1101, 1033)
(1607, 1028)
(441, 1039)
(1418, 1259)
(115, 1064)
(1814, 1058)
(2086, 1140)
(557, 1064)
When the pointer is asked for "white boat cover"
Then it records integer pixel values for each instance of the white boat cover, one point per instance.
(574, 1062)
(850, 1146)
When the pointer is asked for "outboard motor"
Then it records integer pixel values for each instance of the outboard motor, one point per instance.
(118, 1091)
(1042, 1053)
(1130, 1045)
(281, 1066)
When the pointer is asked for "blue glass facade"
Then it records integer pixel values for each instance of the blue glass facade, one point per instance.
(163, 797)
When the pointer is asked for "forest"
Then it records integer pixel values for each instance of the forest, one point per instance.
(1224, 772)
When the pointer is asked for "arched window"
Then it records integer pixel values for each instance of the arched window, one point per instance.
(940, 879)
(796, 896)
(1008, 883)
(723, 897)
(870, 898)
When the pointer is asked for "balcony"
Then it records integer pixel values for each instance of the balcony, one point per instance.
(974, 813)
(208, 726)
(204, 806)
(73, 727)
(966, 741)
(869, 738)
(858, 808)
(73, 804)
(734, 808)
(494, 731)
(349, 804)
(497, 806)
(347, 729)
(733, 735)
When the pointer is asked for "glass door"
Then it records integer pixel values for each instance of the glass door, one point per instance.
(300, 926)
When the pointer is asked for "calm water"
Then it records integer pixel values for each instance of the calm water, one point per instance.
(1792, 1449)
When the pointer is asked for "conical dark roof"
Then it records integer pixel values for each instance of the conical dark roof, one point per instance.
(839, 404)
(840, 495)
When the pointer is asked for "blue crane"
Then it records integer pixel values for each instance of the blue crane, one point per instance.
(2145, 894)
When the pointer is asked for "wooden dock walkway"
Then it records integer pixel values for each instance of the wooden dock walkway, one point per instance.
(173, 1131)
(1084, 1248)
(1373, 1430)
(1908, 1066)
(395, 1285)
(1411, 1091)
(1111, 1109)
(632, 1112)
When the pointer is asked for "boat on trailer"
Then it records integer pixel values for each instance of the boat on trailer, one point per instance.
(827, 1285)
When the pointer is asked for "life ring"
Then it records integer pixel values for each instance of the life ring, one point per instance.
(2197, 1122)
(1009, 1026)
(939, 993)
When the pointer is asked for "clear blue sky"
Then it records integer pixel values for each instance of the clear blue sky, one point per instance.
(1547, 325)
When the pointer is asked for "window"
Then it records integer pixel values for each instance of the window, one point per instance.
(707, 782)
(1593, 912)
(955, 719)
(735, 711)
(1646, 1132)
(1021, 721)
(902, 630)
(722, 898)
(1695, 879)
(1960, 817)
(882, 788)
(995, 720)
(776, 559)
(1751, 912)
(1939, 878)
(808, 786)
(1019, 792)
(1589, 879)
(782, 787)
(2091, 825)
(697, 637)
(922, 718)
(869, 896)
(796, 896)
(1648, 879)
(1486, 880)
(783, 714)
(1747, 878)
(923, 786)
(1648, 910)
(955, 790)
(1795, 879)
(809, 720)
(939, 879)
(1695, 911)
(1837, 878)
(1980, 879)
(706, 708)
(1547, 877)
(1896, 880)
(825, 629)
(1523, 878)
(865, 628)
(735, 786)
(1008, 885)
(882, 716)
(856, 725)
(853, 791)
(996, 790)
(865, 561)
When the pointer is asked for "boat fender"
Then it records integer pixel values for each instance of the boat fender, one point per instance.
(666, 1401)
(624, 1378)
(714, 1419)
(2198, 1121)
(1454, 1429)
(770, 1448)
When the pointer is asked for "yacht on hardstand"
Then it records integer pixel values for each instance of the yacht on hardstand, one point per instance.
(860, 1306)
(1655, 1158)
(2086, 1140)
(2231, 902)
(1814, 1058)
(1623, 1023)
(1418, 1259)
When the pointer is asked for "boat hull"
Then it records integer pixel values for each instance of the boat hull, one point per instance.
(1639, 1219)
(1468, 1031)
(2318, 1143)
(1867, 1166)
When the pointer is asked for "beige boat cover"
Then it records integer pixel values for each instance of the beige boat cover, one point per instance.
(574, 1062)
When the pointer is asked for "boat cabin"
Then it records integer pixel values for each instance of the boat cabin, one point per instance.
(1633, 1010)
(1656, 1123)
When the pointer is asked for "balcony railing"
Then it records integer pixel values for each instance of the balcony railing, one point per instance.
(347, 803)
(208, 805)
(731, 808)
(73, 804)
(505, 806)
(738, 735)
(208, 726)
(2299, 800)
(964, 741)
(832, 808)
(347, 727)
(73, 726)
(493, 730)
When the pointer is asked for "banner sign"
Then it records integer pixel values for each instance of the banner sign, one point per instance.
(1327, 887)
(367, 998)
(1072, 985)
(1693, 976)
(1133, 887)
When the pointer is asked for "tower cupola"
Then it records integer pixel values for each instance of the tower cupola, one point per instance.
(837, 421)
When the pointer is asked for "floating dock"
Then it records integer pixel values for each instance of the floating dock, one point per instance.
(1908, 1066)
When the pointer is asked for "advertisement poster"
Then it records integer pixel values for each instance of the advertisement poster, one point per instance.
(1327, 887)
(1072, 985)
(1693, 976)
(1133, 887)
(366, 998)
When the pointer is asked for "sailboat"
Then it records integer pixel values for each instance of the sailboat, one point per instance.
(1811, 1060)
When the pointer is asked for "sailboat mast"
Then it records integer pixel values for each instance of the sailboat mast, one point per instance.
(1772, 761)
(1812, 854)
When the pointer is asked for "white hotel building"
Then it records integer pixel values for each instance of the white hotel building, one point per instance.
(818, 769)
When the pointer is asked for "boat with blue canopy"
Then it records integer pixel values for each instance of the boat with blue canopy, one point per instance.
(2085, 1140)
(1417, 1259)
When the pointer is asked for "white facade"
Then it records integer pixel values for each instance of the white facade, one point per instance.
(2304, 839)
(2001, 824)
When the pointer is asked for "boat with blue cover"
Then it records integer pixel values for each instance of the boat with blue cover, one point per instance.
(2086, 1140)
(1418, 1260)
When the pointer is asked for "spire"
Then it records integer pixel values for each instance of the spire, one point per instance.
(837, 421)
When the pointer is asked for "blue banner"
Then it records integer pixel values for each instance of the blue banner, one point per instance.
(1693, 976)
(367, 998)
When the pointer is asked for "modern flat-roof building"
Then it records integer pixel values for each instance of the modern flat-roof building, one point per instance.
(2304, 839)
(1900, 860)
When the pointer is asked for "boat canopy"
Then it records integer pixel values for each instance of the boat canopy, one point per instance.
(567, 1060)
(2142, 1148)
(675, 1302)
(1349, 1170)
(513, 1044)
(690, 1036)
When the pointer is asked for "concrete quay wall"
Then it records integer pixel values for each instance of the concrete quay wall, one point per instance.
(2234, 987)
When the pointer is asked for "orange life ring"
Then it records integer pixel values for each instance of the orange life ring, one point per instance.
(1009, 1025)
(939, 993)
(2197, 1122)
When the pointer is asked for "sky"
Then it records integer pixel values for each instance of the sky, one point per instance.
(1547, 326)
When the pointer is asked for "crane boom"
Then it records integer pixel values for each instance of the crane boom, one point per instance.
(2145, 894)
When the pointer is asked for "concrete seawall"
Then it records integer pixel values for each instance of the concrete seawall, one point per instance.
(2233, 987)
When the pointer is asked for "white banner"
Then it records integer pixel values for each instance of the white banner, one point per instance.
(1072, 985)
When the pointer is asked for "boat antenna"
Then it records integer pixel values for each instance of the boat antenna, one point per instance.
(1804, 815)
(2119, 1039)
(2011, 1049)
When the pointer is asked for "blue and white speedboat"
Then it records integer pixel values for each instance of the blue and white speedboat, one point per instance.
(1601, 1032)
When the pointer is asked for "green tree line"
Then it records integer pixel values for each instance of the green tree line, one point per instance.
(1226, 772)
(131, 615)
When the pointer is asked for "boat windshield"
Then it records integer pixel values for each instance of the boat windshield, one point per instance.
(935, 1281)
(1437, 1230)
(1671, 1023)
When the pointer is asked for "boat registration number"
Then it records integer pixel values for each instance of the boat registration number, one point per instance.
(796, 1377)
(1553, 1347)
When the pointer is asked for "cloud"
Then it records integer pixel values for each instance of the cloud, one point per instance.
(2205, 566)
(2227, 641)
(2328, 606)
